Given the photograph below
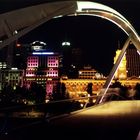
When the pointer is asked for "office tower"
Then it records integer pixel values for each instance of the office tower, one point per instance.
(77, 57)
(43, 68)
(133, 62)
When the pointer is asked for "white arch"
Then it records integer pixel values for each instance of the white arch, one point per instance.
(96, 9)
(29, 19)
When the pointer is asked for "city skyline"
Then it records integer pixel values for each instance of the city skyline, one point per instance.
(91, 34)
(40, 100)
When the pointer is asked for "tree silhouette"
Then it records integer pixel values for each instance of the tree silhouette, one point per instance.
(116, 84)
(123, 92)
(59, 92)
(89, 91)
(89, 88)
(40, 94)
(137, 94)
(36, 93)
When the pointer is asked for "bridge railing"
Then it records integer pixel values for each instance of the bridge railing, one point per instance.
(37, 113)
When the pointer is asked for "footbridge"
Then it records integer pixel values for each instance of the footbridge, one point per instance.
(25, 20)
(106, 120)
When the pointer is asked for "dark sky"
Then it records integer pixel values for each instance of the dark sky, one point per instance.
(98, 38)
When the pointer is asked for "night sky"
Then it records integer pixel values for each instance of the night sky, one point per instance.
(98, 38)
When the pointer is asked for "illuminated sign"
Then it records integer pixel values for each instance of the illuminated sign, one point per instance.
(37, 48)
(43, 53)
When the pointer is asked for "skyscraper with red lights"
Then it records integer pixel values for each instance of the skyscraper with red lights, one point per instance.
(42, 68)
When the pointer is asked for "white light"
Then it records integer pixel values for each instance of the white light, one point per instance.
(138, 52)
(58, 16)
(93, 6)
(14, 68)
(40, 42)
(101, 16)
(34, 42)
(43, 53)
(66, 44)
(88, 95)
(82, 105)
(37, 47)
(96, 6)
(46, 101)
(15, 32)
(80, 72)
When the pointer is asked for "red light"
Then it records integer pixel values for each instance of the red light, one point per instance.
(18, 45)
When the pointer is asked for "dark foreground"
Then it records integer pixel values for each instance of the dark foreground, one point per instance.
(111, 121)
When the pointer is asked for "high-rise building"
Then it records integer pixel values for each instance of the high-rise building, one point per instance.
(77, 57)
(71, 60)
(11, 76)
(87, 73)
(67, 57)
(121, 72)
(43, 68)
(20, 55)
(133, 62)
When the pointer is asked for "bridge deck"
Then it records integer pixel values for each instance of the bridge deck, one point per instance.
(115, 120)
(112, 120)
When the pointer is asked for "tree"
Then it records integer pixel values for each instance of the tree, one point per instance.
(59, 92)
(40, 94)
(116, 84)
(89, 88)
(56, 91)
(63, 91)
(123, 91)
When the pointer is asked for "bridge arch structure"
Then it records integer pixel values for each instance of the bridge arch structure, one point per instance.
(26, 19)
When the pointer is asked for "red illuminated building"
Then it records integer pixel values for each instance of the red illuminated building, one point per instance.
(42, 68)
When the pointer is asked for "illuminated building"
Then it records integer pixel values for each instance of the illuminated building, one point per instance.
(133, 62)
(129, 65)
(67, 57)
(42, 67)
(121, 73)
(20, 55)
(3, 56)
(3, 65)
(77, 87)
(11, 76)
(89, 73)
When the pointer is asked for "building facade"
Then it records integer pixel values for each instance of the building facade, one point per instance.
(130, 64)
(78, 87)
(42, 68)
(133, 62)
(12, 77)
